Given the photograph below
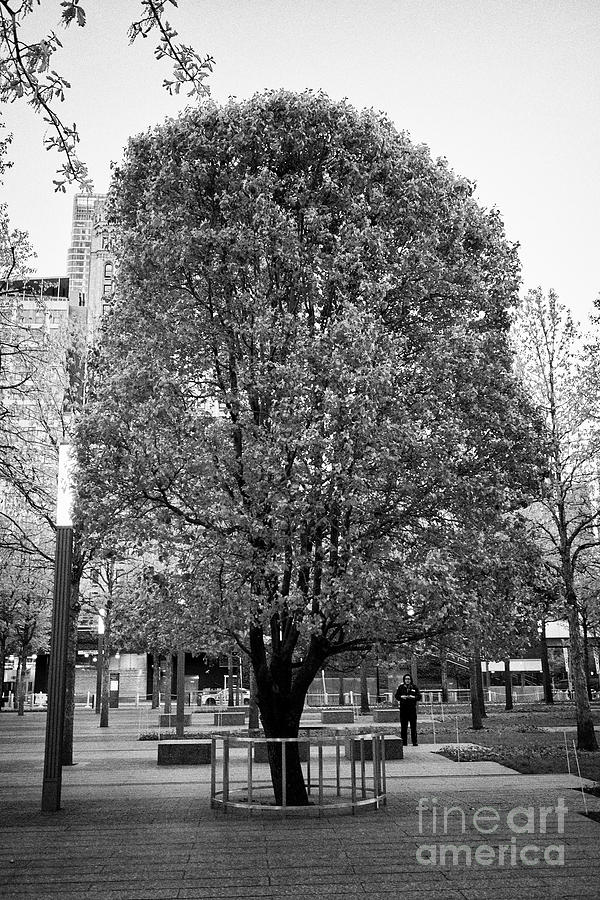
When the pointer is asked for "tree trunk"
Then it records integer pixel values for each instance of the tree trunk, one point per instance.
(341, 696)
(3, 640)
(168, 681)
(230, 697)
(155, 680)
(281, 692)
(479, 682)
(586, 655)
(253, 720)
(475, 707)
(586, 736)
(444, 674)
(414, 673)
(364, 688)
(546, 677)
(508, 684)
(239, 683)
(21, 685)
(281, 722)
(69, 720)
(180, 711)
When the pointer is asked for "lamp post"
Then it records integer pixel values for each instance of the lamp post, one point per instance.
(100, 663)
(57, 674)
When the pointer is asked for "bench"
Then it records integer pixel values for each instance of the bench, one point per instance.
(230, 717)
(337, 716)
(386, 715)
(184, 753)
(169, 720)
(393, 747)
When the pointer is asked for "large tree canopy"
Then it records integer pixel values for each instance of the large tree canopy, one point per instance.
(304, 385)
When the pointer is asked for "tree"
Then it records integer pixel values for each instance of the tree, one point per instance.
(27, 70)
(25, 590)
(42, 389)
(566, 517)
(498, 576)
(313, 375)
(110, 578)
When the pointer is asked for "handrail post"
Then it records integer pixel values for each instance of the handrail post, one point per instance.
(320, 778)
(362, 768)
(353, 774)
(283, 775)
(213, 771)
(375, 755)
(250, 761)
(225, 772)
(383, 776)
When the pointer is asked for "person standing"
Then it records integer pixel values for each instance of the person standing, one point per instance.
(408, 695)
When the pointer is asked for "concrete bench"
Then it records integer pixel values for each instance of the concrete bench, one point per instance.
(393, 747)
(169, 720)
(230, 717)
(184, 753)
(386, 715)
(337, 716)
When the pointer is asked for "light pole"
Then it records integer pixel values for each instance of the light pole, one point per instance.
(57, 673)
(100, 663)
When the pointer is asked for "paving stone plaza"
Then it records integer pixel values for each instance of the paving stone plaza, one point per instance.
(130, 829)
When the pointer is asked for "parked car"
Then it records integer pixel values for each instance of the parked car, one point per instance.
(220, 696)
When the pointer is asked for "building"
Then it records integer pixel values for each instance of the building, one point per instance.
(37, 303)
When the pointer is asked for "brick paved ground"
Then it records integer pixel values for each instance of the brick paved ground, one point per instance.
(131, 830)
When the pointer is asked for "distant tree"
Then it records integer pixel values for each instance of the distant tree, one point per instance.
(498, 576)
(566, 518)
(313, 375)
(28, 74)
(25, 602)
(43, 388)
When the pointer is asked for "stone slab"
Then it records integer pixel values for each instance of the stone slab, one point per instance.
(337, 716)
(184, 753)
(230, 717)
(386, 715)
(169, 720)
(393, 748)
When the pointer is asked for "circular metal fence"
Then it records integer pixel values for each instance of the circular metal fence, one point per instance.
(341, 773)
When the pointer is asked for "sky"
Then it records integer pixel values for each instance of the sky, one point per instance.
(508, 91)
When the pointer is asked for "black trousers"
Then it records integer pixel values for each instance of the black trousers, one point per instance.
(408, 717)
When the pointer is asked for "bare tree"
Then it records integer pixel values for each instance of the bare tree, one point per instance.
(565, 518)
(28, 74)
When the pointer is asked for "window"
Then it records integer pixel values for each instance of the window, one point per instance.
(108, 279)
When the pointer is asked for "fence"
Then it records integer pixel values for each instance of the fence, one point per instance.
(333, 781)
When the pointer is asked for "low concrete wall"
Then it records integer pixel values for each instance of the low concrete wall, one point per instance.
(393, 748)
(338, 716)
(169, 720)
(230, 717)
(184, 753)
(386, 715)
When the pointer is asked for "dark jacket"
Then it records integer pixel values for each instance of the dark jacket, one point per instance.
(407, 696)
